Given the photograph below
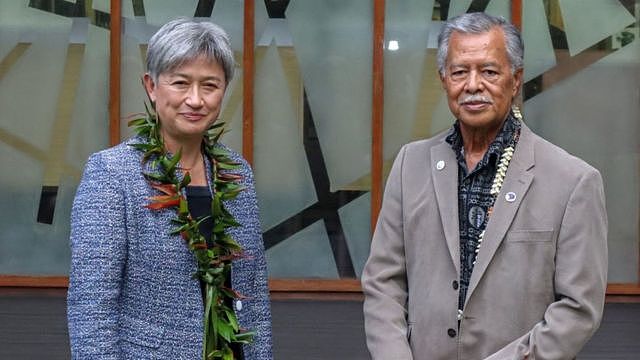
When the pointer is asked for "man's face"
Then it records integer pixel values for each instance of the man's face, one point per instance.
(478, 79)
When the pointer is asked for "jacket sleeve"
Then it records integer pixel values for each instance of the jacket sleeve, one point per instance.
(580, 280)
(262, 344)
(384, 279)
(98, 251)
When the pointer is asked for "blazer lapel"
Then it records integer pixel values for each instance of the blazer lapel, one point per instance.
(444, 172)
(517, 181)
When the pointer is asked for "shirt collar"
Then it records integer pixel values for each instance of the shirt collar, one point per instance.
(503, 139)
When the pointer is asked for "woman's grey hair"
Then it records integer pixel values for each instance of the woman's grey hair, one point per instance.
(479, 23)
(182, 40)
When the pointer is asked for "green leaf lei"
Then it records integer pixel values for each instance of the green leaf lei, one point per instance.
(221, 327)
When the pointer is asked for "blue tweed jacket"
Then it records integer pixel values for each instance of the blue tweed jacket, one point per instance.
(131, 290)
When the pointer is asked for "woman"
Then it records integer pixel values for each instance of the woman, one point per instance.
(159, 220)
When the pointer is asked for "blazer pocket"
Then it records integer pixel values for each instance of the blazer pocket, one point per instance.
(529, 236)
(141, 333)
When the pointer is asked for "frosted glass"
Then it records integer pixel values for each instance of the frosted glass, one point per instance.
(586, 22)
(500, 8)
(90, 127)
(307, 254)
(127, 9)
(17, 15)
(229, 14)
(282, 174)
(539, 55)
(231, 113)
(26, 247)
(105, 5)
(132, 94)
(28, 80)
(333, 44)
(600, 124)
(159, 12)
(458, 7)
(51, 121)
(442, 117)
(407, 26)
(261, 18)
(356, 224)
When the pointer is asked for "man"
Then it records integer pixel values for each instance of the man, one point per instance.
(491, 242)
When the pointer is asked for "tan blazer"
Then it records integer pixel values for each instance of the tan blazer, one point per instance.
(538, 286)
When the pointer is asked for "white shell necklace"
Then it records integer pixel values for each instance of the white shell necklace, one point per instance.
(498, 179)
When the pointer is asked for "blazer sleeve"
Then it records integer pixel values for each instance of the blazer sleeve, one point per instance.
(384, 279)
(98, 251)
(580, 280)
(262, 344)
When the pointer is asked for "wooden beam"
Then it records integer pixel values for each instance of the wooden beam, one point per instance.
(623, 289)
(248, 66)
(297, 287)
(377, 110)
(114, 71)
(315, 285)
(516, 13)
(34, 281)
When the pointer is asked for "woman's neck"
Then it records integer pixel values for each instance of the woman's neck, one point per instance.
(191, 158)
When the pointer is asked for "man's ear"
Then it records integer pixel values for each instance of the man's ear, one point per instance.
(517, 82)
(149, 86)
(442, 80)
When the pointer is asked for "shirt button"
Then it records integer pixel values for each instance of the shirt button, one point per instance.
(451, 333)
(455, 285)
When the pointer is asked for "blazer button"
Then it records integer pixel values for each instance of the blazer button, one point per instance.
(451, 333)
(238, 305)
(455, 285)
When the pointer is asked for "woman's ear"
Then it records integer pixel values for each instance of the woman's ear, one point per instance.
(149, 87)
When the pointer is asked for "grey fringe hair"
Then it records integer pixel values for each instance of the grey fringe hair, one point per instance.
(478, 23)
(182, 40)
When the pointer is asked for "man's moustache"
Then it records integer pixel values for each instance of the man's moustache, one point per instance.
(475, 99)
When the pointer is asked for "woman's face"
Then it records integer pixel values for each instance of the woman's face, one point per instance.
(188, 99)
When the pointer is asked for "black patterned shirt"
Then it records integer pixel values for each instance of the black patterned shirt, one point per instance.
(474, 198)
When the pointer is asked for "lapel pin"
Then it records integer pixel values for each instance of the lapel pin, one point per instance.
(440, 165)
(510, 196)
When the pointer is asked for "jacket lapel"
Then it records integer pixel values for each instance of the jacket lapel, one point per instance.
(444, 172)
(517, 181)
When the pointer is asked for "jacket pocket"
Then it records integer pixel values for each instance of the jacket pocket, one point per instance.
(529, 236)
(141, 333)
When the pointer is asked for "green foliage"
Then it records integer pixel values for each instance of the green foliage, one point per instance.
(221, 327)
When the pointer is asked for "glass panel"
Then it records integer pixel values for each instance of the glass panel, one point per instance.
(588, 21)
(283, 178)
(333, 46)
(313, 138)
(158, 12)
(499, 8)
(456, 7)
(409, 76)
(539, 55)
(588, 104)
(355, 217)
(45, 142)
(306, 254)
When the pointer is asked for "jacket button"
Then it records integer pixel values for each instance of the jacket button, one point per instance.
(451, 333)
(455, 285)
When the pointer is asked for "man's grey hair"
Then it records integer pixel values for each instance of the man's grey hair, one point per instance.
(183, 40)
(479, 23)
